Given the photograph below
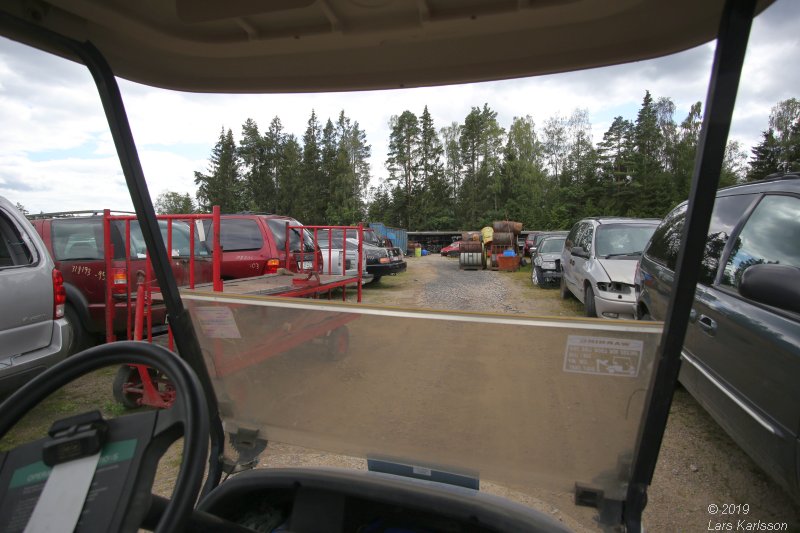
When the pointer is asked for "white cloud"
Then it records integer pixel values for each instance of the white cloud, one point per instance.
(58, 154)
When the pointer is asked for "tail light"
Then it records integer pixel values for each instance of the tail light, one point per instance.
(59, 294)
(119, 281)
(273, 265)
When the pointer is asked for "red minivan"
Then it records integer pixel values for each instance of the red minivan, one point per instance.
(255, 244)
(76, 244)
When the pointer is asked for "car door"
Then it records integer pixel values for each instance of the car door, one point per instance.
(26, 288)
(578, 264)
(749, 352)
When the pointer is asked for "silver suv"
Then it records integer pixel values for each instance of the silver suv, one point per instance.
(599, 261)
(33, 332)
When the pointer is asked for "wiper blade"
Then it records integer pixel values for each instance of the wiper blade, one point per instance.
(622, 254)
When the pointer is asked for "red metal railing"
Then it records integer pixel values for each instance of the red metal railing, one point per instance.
(114, 274)
(316, 230)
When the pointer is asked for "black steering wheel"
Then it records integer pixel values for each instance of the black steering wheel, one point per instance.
(187, 417)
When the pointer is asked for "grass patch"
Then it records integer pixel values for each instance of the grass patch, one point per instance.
(89, 393)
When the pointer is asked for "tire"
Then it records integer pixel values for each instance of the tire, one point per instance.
(80, 338)
(126, 374)
(588, 302)
(563, 290)
(536, 276)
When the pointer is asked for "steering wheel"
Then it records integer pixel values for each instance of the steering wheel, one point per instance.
(187, 417)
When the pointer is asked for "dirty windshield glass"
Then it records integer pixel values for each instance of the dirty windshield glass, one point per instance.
(617, 239)
(552, 246)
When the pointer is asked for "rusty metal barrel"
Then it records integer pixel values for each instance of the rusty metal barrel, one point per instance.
(471, 247)
(503, 238)
(507, 226)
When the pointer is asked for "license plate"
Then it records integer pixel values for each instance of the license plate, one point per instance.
(305, 265)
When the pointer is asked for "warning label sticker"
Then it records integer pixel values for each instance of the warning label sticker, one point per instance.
(217, 322)
(603, 355)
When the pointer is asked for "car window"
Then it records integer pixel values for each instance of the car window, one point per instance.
(236, 234)
(14, 251)
(583, 237)
(622, 239)
(770, 236)
(180, 239)
(278, 227)
(551, 246)
(77, 239)
(666, 241)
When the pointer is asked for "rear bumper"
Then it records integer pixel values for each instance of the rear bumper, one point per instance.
(26, 366)
(386, 268)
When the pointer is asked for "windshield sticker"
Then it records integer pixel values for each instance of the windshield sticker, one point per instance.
(217, 322)
(603, 355)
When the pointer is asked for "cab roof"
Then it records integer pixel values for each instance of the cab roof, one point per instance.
(250, 46)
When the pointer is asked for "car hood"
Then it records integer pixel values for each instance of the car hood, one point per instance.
(619, 270)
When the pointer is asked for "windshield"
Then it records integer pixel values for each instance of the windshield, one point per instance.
(526, 408)
(552, 246)
(278, 227)
(622, 239)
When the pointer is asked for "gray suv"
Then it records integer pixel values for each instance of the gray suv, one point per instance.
(33, 332)
(741, 353)
(598, 263)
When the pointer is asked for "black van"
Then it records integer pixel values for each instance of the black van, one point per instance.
(741, 353)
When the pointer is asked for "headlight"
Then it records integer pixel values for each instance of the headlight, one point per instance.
(615, 288)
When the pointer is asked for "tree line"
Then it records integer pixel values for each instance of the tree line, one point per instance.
(465, 175)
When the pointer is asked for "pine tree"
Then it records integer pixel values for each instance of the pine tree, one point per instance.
(403, 159)
(313, 187)
(766, 157)
(251, 151)
(222, 185)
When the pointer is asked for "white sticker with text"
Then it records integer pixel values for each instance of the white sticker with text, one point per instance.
(217, 322)
(603, 355)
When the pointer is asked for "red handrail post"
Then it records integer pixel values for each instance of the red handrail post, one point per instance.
(108, 255)
(217, 253)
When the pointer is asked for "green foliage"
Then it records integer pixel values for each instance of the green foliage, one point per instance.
(173, 203)
(466, 175)
(223, 185)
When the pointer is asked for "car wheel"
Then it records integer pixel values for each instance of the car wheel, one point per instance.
(536, 276)
(80, 339)
(588, 302)
(126, 375)
(563, 290)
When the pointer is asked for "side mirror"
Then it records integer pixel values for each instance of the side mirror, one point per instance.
(579, 251)
(775, 285)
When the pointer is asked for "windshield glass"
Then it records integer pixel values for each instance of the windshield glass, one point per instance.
(551, 246)
(278, 227)
(622, 239)
(526, 409)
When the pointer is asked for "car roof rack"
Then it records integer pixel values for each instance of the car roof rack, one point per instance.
(782, 176)
(76, 214)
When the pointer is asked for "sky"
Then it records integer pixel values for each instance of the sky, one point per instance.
(57, 153)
